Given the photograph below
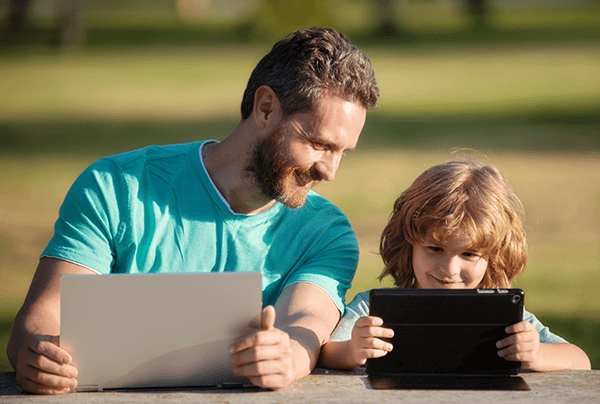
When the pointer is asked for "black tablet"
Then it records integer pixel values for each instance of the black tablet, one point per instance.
(445, 332)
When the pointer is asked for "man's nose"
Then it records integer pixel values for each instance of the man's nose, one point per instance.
(329, 164)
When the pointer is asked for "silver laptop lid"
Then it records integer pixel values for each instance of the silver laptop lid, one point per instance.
(156, 330)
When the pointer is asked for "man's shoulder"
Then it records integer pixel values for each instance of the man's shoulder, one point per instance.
(132, 164)
(153, 153)
(315, 202)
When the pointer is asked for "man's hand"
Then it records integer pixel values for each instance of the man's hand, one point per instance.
(522, 345)
(366, 342)
(45, 368)
(265, 356)
(42, 366)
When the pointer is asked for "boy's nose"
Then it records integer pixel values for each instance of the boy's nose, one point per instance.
(452, 267)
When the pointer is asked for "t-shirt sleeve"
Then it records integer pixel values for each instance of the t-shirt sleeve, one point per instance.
(333, 259)
(88, 220)
(546, 336)
(358, 307)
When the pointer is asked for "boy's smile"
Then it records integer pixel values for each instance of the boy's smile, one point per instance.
(452, 265)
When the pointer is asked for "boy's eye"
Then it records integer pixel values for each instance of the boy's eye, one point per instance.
(470, 255)
(434, 248)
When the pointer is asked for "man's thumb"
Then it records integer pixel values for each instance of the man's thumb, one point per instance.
(267, 320)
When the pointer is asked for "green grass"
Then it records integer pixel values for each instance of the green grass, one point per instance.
(530, 107)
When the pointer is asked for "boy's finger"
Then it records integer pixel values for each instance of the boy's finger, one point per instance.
(510, 340)
(369, 321)
(519, 327)
(382, 332)
(370, 332)
(374, 353)
(370, 344)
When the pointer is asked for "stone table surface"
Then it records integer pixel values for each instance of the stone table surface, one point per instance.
(329, 386)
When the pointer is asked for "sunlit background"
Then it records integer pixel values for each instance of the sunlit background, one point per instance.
(515, 83)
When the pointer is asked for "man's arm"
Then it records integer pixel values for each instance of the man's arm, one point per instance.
(287, 346)
(42, 366)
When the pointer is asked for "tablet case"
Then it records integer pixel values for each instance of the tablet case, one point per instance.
(449, 334)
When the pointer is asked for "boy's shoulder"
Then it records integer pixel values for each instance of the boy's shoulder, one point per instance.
(360, 303)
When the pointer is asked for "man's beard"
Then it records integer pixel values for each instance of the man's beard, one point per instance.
(274, 173)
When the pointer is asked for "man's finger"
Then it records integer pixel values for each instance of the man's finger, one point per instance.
(260, 338)
(38, 388)
(260, 353)
(267, 321)
(36, 379)
(49, 348)
(44, 364)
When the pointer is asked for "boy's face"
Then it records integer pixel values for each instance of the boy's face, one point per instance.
(452, 265)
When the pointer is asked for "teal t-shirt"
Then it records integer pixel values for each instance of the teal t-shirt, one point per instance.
(157, 210)
(359, 307)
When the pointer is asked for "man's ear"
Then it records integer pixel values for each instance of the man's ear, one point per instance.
(267, 108)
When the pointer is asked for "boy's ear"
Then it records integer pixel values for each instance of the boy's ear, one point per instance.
(267, 108)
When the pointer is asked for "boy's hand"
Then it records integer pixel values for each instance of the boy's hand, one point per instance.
(523, 345)
(365, 342)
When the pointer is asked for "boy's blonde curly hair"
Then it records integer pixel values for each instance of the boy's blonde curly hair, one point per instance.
(459, 197)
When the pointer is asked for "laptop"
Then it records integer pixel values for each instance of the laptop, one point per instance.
(157, 330)
(446, 339)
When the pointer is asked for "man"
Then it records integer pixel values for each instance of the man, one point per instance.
(241, 204)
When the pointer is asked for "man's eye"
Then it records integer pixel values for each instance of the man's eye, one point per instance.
(319, 146)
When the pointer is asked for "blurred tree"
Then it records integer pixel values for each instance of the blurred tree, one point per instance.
(387, 26)
(69, 35)
(16, 20)
(70, 21)
(276, 18)
(478, 9)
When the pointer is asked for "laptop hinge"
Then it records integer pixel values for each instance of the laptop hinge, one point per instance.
(88, 387)
(230, 385)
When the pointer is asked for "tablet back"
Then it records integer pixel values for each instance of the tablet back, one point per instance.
(156, 330)
(445, 332)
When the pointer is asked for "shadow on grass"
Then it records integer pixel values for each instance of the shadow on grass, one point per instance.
(535, 133)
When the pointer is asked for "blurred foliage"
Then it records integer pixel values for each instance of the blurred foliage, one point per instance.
(365, 21)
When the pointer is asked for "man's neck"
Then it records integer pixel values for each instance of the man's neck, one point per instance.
(226, 164)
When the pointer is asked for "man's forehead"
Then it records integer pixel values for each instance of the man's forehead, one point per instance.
(336, 121)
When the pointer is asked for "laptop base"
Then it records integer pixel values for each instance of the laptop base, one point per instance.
(450, 382)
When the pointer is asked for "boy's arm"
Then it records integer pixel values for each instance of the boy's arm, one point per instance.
(524, 345)
(561, 356)
(336, 355)
(42, 366)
